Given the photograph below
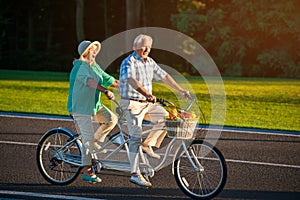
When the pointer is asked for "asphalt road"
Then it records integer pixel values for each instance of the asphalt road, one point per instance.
(260, 166)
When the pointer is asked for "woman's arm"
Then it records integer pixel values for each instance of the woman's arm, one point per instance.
(116, 84)
(93, 84)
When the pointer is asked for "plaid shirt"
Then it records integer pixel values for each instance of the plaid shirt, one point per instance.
(145, 72)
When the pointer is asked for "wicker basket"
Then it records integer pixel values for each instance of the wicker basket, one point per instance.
(182, 129)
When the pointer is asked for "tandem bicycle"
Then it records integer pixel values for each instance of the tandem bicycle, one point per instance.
(199, 168)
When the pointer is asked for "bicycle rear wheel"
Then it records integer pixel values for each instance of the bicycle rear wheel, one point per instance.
(54, 149)
(209, 179)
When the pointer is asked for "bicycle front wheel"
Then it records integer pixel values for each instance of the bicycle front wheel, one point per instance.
(207, 178)
(57, 156)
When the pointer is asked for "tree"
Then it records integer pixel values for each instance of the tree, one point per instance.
(79, 20)
(249, 38)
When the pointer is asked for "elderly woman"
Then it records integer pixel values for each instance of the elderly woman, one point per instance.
(87, 82)
(136, 75)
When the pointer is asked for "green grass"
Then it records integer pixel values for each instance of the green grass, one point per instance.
(263, 103)
(250, 102)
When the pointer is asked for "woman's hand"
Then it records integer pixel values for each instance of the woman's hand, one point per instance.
(109, 95)
(116, 84)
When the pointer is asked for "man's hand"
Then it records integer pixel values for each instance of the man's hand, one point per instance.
(185, 94)
(151, 98)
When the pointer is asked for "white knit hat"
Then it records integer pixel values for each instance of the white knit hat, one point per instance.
(85, 45)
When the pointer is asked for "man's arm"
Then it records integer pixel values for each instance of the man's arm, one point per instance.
(138, 87)
(171, 82)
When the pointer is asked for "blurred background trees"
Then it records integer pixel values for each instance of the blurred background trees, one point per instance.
(245, 38)
(258, 38)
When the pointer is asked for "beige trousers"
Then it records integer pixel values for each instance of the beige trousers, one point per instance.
(135, 112)
(84, 126)
(107, 121)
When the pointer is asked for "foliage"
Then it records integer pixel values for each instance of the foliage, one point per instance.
(278, 60)
(243, 37)
(33, 35)
(262, 37)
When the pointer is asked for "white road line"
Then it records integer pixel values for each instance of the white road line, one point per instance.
(227, 160)
(262, 163)
(40, 195)
(18, 143)
(212, 128)
(58, 118)
(294, 134)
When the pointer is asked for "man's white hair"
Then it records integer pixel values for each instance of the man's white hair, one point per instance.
(139, 40)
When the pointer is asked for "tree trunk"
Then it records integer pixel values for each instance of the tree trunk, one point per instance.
(79, 20)
(50, 31)
(106, 30)
(133, 19)
(30, 40)
(133, 13)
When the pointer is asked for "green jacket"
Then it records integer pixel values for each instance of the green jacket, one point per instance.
(83, 99)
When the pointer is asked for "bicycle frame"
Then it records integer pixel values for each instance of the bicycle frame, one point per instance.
(71, 158)
(121, 139)
(119, 165)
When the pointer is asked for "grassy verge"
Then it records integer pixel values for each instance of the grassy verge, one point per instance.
(250, 102)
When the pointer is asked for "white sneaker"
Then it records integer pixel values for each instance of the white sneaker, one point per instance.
(97, 147)
(140, 180)
(149, 151)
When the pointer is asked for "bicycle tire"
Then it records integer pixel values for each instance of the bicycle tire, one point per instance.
(207, 182)
(52, 168)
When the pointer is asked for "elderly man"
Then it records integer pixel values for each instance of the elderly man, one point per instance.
(136, 75)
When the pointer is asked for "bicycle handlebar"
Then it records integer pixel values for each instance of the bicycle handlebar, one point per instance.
(192, 100)
(163, 101)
